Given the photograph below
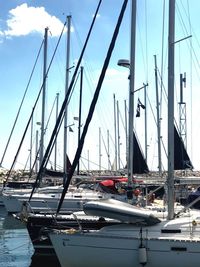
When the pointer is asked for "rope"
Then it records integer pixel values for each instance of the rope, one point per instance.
(93, 104)
(21, 104)
(62, 111)
(30, 118)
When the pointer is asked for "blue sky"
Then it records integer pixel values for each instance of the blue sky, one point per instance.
(22, 26)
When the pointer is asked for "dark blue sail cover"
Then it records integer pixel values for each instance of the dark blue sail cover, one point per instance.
(139, 162)
(181, 158)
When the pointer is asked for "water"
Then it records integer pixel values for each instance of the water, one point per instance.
(16, 249)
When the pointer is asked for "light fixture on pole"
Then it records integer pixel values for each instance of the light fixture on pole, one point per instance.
(124, 63)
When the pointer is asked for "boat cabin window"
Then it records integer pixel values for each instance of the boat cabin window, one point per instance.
(167, 231)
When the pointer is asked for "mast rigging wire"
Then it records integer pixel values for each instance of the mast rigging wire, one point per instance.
(45, 129)
(93, 104)
(62, 111)
(37, 99)
(29, 81)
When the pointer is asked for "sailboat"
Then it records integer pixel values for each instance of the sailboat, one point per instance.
(134, 242)
(36, 223)
(171, 240)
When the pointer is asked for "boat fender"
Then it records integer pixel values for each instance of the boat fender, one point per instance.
(142, 255)
(25, 210)
(194, 223)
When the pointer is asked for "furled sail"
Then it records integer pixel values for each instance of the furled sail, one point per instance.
(139, 162)
(181, 158)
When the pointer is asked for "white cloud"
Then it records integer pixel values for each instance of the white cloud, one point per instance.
(24, 20)
(111, 72)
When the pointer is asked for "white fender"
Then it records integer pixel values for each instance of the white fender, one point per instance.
(142, 255)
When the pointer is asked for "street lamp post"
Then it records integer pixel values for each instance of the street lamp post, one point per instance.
(131, 67)
(130, 144)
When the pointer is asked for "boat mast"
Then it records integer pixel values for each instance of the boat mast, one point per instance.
(115, 130)
(41, 149)
(80, 111)
(108, 144)
(95, 97)
(36, 151)
(100, 150)
(158, 118)
(131, 100)
(66, 107)
(31, 147)
(55, 160)
(145, 118)
(126, 129)
(170, 179)
(118, 135)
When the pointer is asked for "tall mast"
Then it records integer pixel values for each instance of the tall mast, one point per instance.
(131, 99)
(80, 111)
(145, 119)
(126, 127)
(170, 180)
(66, 90)
(115, 130)
(88, 157)
(36, 151)
(118, 135)
(100, 150)
(55, 160)
(31, 146)
(158, 118)
(108, 144)
(43, 97)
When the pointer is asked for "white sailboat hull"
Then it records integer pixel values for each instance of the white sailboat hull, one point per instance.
(117, 246)
(73, 201)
